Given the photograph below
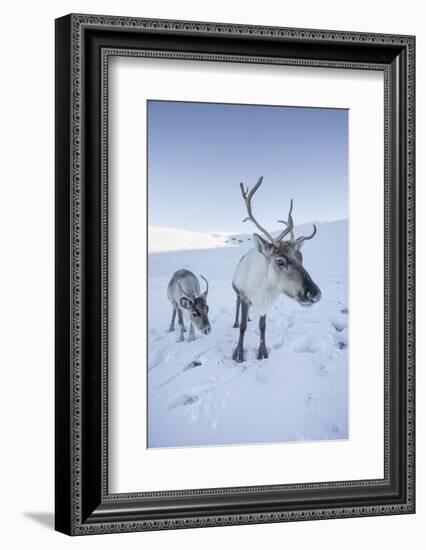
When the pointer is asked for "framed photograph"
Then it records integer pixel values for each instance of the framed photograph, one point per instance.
(234, 274)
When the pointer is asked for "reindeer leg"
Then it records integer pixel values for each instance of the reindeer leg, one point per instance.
(172, 322)
(237, 312)
(191, 336)
(238, 355)
(263, 352)
(181, 327)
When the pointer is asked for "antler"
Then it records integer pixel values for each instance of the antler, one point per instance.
(288, 229)
(247, 196)
(207, 286)
(291, 232)
(300, 239)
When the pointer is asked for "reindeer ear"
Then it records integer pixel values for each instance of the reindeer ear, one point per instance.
(264, 247)
(185, 303)
(299, 245)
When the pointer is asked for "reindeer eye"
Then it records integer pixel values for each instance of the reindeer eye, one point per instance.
(195, 314)
(281, 262)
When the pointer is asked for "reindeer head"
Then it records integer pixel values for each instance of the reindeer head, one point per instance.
(283, 258)
(197, 308)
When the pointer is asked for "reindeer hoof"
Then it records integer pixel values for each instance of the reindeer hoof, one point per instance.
(171, 329)
(238, 355)
(181, 339)
(262, 353)
(236, 325)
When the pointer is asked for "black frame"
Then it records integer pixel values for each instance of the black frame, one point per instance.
(83, 45)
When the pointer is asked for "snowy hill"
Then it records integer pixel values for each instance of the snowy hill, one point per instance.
(166, 239)
(197, 395)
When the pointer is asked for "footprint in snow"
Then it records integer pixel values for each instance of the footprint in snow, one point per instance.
(187, 367)
(192, 365)
(310, 401)
(182, 401)
(322, 371)
(339, 327)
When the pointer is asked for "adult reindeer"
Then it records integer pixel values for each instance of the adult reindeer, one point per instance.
(184, 293)
(272, 268)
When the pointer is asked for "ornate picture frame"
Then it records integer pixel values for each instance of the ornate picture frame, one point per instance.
(84, 45)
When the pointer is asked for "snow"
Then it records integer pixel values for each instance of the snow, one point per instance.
(197, 395)
(165, 239)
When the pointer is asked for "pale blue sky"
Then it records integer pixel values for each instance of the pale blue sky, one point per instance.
(198, 153)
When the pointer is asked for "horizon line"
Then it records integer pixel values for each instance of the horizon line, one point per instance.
(228, 232)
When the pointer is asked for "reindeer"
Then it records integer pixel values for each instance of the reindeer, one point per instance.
(271, 268)
(184, 293)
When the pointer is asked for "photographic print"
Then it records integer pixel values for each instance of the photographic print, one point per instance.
(248, 312)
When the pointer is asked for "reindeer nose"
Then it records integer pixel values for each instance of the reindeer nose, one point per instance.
(313, 295)
(208, 329)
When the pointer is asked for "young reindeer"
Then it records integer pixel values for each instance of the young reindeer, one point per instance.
(184, 293)
(272, 268)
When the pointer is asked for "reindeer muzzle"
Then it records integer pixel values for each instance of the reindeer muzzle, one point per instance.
(310, 296)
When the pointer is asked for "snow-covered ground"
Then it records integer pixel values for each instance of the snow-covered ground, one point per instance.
(197, 395)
